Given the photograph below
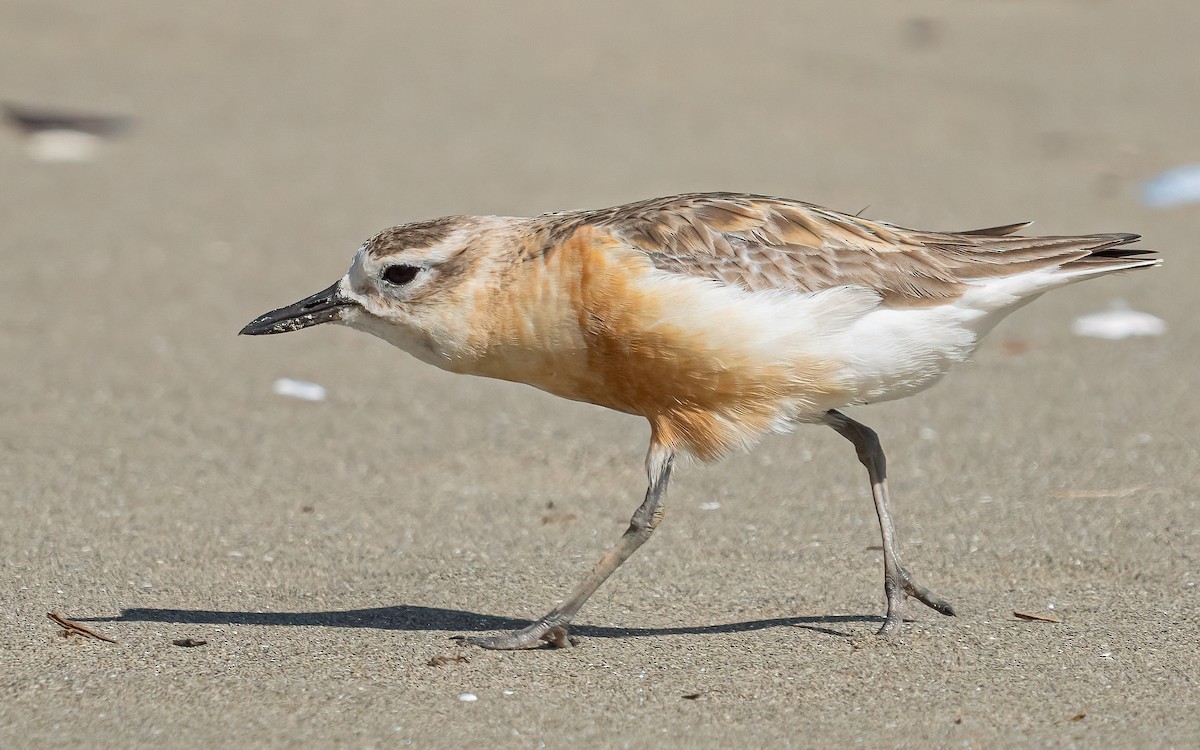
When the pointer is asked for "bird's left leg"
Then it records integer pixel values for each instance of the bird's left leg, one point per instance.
(552, 626)
(897, 581)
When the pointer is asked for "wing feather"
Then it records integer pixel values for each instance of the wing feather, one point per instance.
(760, 242)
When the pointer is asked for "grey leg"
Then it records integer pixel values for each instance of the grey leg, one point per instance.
(552, 626)
(897, 581)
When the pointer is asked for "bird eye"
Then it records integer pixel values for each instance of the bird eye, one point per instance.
(400, 274)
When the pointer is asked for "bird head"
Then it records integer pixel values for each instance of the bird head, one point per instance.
(413, 285)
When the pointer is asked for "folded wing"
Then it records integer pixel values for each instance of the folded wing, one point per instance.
(761, 243)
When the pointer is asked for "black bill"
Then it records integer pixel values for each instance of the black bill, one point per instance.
(323, 307)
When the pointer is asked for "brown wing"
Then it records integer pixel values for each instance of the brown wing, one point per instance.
(760, 242)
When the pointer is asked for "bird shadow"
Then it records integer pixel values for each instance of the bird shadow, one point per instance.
(412, 618)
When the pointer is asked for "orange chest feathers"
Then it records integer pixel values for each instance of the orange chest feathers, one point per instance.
(593, 321)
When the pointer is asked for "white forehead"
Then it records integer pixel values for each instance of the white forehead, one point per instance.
(358, 275)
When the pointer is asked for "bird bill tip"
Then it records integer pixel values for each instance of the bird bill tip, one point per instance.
(326, 306)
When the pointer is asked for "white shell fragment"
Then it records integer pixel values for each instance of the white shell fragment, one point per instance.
(1118, 322)
(62, 145)
(1174, 187)
(468, 697)
(301, 389)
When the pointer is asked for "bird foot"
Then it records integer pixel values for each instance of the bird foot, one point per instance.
(528, 637)
(925, 596)
(905, 585)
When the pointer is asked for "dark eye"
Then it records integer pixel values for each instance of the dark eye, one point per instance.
(400, 274)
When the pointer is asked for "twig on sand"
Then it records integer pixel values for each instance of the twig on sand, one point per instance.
(1036, 616)
(71, 627)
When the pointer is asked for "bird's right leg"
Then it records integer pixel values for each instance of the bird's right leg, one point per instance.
(553, 625)
(897, 581)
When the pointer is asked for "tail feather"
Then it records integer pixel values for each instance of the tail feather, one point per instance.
(1110, 255)
(1011, 271)
(995, 253)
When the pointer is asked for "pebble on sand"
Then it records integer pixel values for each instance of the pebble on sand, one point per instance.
(301, 389)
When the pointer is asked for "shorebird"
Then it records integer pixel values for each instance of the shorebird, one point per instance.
(718, 317)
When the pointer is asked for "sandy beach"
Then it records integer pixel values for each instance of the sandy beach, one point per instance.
(155, 488)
